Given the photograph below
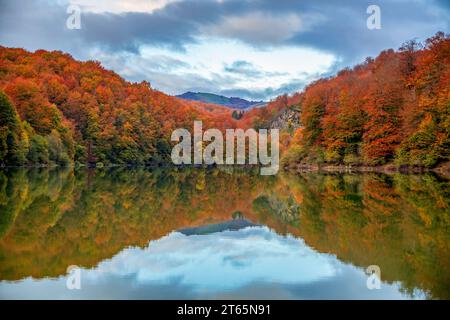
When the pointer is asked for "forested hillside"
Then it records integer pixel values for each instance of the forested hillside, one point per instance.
(55, 110)
(232, 102)
(391, 109)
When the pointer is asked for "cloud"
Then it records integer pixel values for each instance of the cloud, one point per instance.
(344, 31)
(244, 256)
(253, 263)
(120, 6)
(237, 69)
(293, 85)
(241, 66)
(256, 28)
(125, 28)
(338, 27)
(248, 69)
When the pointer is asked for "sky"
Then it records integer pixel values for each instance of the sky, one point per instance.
(253, 49)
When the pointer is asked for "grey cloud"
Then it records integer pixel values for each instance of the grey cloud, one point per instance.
(337, 27)
(340, 28)
(161, 63)
(267, 93)
(257, 28)
(248, 69)
(345, 34)
(37, 25)
(241, 66)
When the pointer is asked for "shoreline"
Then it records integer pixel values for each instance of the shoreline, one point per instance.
(443, 169)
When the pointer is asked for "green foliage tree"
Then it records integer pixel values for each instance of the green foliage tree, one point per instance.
(13, 140)
(38, 153)
(56, 150)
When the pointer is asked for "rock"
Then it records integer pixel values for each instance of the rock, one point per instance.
(287, 119)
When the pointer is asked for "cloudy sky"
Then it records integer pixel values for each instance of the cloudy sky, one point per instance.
(255, 49)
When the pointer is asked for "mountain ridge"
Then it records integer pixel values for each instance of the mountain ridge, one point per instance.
(231, 102)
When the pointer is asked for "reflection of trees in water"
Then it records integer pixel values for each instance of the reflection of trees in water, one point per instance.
(285, 210)
(51, 219)
(398, 222)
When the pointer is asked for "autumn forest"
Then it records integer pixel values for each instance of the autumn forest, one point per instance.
(392, 109)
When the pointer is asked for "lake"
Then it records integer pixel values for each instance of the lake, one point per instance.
(222, 233)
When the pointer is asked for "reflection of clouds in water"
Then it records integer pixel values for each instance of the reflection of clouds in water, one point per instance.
(252, 263)
(223, 260)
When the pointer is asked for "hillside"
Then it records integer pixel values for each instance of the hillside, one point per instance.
(392, 109)
(232, 102)
(56, 110)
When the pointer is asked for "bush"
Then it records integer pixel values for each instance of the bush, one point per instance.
(56, 149)
(352, 158)
(294, 154)
(332, 156)
(38, 153)
(427, 147)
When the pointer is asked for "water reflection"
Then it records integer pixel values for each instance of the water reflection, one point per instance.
(221, 234)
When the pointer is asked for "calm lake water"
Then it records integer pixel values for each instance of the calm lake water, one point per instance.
(222, 233)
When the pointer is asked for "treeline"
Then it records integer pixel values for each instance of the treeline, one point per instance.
(56, 110)
(392, 109)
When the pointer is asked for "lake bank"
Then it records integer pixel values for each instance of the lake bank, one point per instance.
(442, 170)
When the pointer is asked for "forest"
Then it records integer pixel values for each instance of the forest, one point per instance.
(58, 111)
(394, 108)
(391, 109)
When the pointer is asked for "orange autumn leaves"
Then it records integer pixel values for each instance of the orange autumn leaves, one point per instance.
(78, 111)
(395, 108)
(392, 109)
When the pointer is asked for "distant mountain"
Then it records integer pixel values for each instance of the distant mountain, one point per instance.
(232, 102)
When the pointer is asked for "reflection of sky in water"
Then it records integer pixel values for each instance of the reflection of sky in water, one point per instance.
(222, 261)
(250, 263)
